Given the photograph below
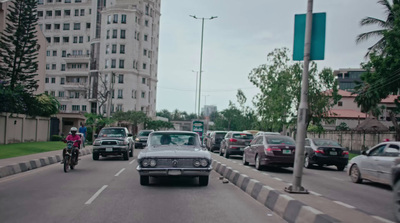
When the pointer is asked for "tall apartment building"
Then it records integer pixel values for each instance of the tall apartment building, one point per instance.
(96, 46)
(347, 77)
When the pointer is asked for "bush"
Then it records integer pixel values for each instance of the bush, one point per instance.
(55, 138)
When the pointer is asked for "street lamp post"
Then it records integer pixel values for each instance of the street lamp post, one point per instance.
(195, 97)
(201, 55)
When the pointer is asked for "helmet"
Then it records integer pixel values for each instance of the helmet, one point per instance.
(74, 130)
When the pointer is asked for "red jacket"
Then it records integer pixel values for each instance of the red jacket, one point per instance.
(74, 138)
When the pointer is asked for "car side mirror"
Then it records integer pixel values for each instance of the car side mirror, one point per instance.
(95, 135)
(364, 153)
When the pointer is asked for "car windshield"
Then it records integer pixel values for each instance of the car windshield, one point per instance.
(280, 140)
(242, 136)
(112, 133)
(180, 139)
(144, 133)
(220, 135)
(325, 142)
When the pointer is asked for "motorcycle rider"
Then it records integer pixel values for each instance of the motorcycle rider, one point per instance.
(77, 141)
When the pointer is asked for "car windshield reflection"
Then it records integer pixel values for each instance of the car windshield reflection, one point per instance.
(325, 142)
(278, 140)
(112, 133)
(167, 139)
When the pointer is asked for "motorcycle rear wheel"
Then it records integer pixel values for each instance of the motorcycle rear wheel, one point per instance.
(66, 163)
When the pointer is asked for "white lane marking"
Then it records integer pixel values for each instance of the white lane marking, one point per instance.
(276, 178)
(382, 219)
(119, 172)
(96, 194)
(315, 193)
(131, 161)
(344, 204)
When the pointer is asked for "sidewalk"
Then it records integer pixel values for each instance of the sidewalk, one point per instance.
(20, 164)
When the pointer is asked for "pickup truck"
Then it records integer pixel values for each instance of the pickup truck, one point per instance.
(113, 141)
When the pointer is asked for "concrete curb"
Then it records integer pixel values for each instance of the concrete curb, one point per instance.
(35, 163)
(283, 205)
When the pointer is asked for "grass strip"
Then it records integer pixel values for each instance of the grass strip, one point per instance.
(22, 149)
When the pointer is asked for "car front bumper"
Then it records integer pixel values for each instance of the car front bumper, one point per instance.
(140, 144)
(329, 160)
(110, 150)
(174, 171)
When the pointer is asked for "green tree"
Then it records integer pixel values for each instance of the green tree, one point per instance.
(133, 117)
(280, 83)
(384, 25)
(19, 47)
(165, 113)
(383, 73)
(158, 125)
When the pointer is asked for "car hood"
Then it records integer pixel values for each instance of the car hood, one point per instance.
(111, 138)
(174, 152)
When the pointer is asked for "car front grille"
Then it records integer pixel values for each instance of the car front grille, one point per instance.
(175, 163)
(108, 143)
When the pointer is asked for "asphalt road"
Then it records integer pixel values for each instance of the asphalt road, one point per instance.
(109, 191)
(371, 198)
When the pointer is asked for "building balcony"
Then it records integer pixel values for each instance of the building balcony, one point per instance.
(77, 58)
(75, 86)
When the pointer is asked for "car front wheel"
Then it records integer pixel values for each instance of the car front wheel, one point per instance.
(144, 180)
(355, 174)
(226, 154)
(307, 163)
(203, 180)
(95, 156)
(258, 163)
(244, 160)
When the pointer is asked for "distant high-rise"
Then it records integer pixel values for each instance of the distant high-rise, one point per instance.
(101, 46)
(208, 110)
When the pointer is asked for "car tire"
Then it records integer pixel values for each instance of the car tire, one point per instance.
(220, 152)
(95, 156)
(244, 160)
(226, 154)
(131, 152)
(355, 174)
(203, 180)
(340, 167)
(144, 180)
(125, 155)
(258, 163)
(307, 163)
(396, 200)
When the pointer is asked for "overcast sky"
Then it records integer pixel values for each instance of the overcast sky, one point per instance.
(240, 39)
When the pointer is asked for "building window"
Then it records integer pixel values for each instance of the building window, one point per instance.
(143, 80)
(53, 66)
(121, 63)
(120, 93)
(40, 13)
(145, 52)
(123, 18)
(113, 63)
(108, 34)
(109, 19)
(63, 107)
(144, 66)
(75, 107)
(77, 26)
(62, 68)
(63, 53)
(340, 103)
(76, 12)
(122, 49)
(134, 64)
(121, 79)
(146, 23)
(53, 80)
(66, 26)
(143, 94)
(40, 2)
(75, 39)
(115, 20)
(87, 25)
(82, 12)
(67, 13)
(83, 107)
(123, 33)
(67, 1)
(114, 48)
(49, 13)
(48, 26)
(62, 80)
(48, 39)
(53, 93)
(56, 39)
(145, 37)
(134, 94)
(77, 93)
(81, 39)
(57, 26)
(119, 107)
(65, 39)
(115, 33)
(46, 80)
(61, 94)
(48, 53)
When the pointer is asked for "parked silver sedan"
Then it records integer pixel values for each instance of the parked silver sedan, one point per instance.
(173, 154)
(375, 164)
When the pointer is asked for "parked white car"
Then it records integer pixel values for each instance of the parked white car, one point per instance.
(375, 164)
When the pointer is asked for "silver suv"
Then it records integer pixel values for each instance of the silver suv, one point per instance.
(113, 141)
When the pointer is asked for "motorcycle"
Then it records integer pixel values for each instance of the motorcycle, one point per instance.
(69, 161)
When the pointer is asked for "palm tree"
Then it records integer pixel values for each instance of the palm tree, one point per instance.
(387, 25)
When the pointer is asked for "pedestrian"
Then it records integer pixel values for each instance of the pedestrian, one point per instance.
(83, 130)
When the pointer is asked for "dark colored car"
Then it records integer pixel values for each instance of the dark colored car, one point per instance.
(270, 150)
(206, 140)
(234, 143)
(215, 140)
(174, 154)
(141, 138)
(325, 152)
(113, 141)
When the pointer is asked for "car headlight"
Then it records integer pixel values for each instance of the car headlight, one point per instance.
(137, 139)
(204, 162)
(97, 143)
(145, 163)
(196, 163)
(121, 143)
(153, 163)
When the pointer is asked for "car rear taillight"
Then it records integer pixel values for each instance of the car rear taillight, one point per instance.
(271, 150)
(320, 151)
(232, 140)
(345, 153)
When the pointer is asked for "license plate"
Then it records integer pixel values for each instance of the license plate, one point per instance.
(109, 149)
(174, 172)
(333, 153)
(287, 151)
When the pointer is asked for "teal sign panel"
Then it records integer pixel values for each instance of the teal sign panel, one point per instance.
(317, 51)
(198, 127)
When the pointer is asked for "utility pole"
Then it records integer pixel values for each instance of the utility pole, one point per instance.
(303, 110)
(195, 97)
